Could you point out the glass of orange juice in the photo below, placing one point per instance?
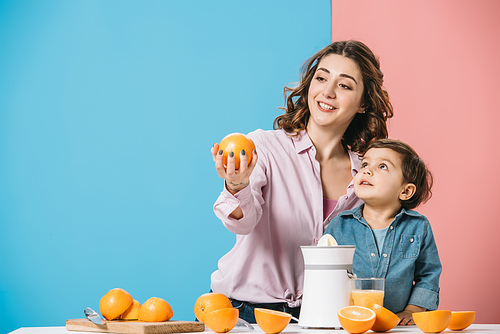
(367, 291)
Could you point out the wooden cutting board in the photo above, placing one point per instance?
(135, 327)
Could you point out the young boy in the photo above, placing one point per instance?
(392, 241)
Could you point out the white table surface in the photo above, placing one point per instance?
(292, 328)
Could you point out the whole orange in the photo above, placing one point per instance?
(235, 142)
(222, 320)
(114, 303)
(208, 302)
(155, 310)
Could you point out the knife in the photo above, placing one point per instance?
(93, 316)
(243, 323)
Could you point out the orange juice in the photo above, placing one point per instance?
(367, 298)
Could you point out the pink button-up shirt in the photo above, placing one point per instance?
(282, 210)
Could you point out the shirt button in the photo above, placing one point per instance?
(411, 239)
(391, 228)
(384, 255)
(372, 254)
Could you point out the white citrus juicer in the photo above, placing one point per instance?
(327, 286)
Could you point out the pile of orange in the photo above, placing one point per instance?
(437, 321)
(216, 312)
(118, 304)
(357, 319)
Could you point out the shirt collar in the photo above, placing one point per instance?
(408, 213)
(355, 162)
(358, 213)
(302, 142)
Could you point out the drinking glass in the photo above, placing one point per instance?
(367, 291)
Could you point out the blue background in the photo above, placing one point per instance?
(108, 110)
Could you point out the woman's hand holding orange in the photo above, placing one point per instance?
(236, 179)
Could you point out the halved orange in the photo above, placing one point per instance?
(432, 321)
(385, 319)
(461, 320)
(222, 320)
(114, 303)
(271, 321)
(132, 313)
(155, 310)
(356, 319)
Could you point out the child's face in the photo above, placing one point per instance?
(380, 180)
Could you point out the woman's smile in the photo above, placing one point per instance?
(325, 107)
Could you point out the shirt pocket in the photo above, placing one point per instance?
(409, 246)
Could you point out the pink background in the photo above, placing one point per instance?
(441, 61)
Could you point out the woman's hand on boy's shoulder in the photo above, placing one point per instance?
(405, 317)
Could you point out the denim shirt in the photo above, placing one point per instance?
(409, 259)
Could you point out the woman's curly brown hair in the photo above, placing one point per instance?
(364, 128)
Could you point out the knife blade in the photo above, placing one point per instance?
(93, 316)
(243, 323)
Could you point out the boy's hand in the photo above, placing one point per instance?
(406, 317)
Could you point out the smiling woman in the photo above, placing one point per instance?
(334, 94)
(338, 107)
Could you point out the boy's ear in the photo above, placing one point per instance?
(407, 192)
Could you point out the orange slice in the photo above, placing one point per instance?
(385, 319)
(270, 321)
(222, 320)
(356, 319)
(432, 321)
(461, 320)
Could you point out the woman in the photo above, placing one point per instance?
(300, 177)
